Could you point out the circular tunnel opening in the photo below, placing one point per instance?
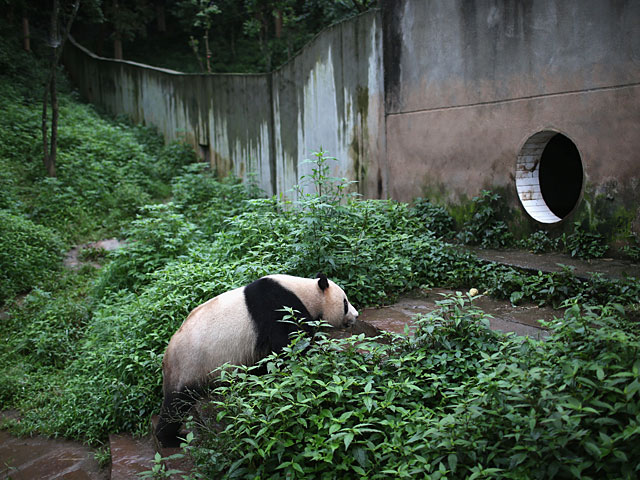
(560, 175)
(549, 176)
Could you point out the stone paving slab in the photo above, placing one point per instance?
(130, 456)
(552, 262)
(39, 458)
(522, 319)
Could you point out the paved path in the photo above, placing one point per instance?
(552, 262)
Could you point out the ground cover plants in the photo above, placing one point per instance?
(456, 400)
(485, 225)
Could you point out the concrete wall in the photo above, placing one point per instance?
(426, 98)
(329, 96)
(468, 82)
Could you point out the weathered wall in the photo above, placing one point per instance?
(330, 96)
(425, 98)
(467, 82)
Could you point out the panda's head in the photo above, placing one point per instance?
(335, 307)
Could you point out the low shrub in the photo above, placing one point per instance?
(455, 401)
(434, 217)
(584, 242)
(29, 254)
(486, 227)
(158, 236)
(539, 242)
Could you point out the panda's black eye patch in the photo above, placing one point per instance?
(346, 306)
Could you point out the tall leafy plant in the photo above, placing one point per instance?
(486, 227)
(321, 200)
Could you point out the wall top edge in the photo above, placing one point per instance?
(166, 71)
(373, 11)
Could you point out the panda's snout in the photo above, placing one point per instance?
(350, 321)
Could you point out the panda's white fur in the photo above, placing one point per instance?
(240, 327)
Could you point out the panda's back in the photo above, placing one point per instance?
(238, 327)
(222, 321)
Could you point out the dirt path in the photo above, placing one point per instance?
(72, 259)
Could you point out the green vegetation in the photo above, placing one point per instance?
(457, 400)
(486, 225)
(28, 253)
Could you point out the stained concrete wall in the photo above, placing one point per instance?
(468, 82)
(209, 111)
(329, 96)
(428, 98)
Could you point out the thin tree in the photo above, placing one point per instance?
(56, 42)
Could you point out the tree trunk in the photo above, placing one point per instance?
(193, 43)
(26, 37)
(51, 87)
(207, 50)
(264, 40)
(117, 35)
(49, 162)
(100, 41)
(51, 168)
(278, 24)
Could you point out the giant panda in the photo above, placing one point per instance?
(240, 327)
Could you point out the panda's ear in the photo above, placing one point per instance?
(323, 283)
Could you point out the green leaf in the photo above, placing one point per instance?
(348, 438)
(631, 389)
(452, 460)
(360, 455)
(593, 449)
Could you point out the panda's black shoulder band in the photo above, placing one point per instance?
(265, 300)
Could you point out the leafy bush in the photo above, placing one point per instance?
(584, 242)
(49, 327)
(158, 236)
(455, 401)
(486, 226)
(201, 196)
(434, 217)
(632, 252)
(539, 242)
(40, 335)
(29, 254)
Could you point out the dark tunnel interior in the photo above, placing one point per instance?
(560, 175)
